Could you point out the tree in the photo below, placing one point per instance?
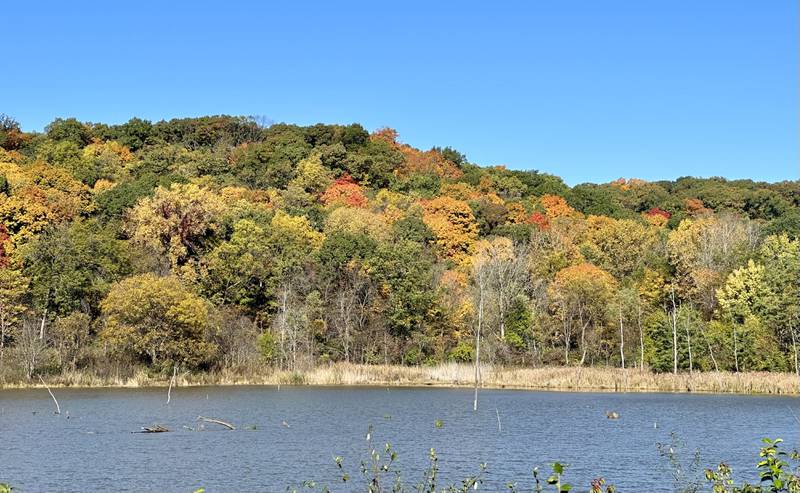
(506, 266)
(453, 225)
(347, 287)
(13, 288)
(619, 246)
(272, 162)
(580, 296)
(103, 160)
(177, 222)
(72, 267)
(703, 251)
(240, 270)
(71, 336)
(11, 136)
(405, 272)
(134, 134)
(781, 259)
(741, 299)
(357, 221)
(158, 320)
(480, 276)
(69, 130)
(344, 191)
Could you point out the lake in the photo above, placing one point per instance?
(298, 431)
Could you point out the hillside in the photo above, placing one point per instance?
(216, 243)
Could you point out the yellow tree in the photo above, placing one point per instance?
(357, 221)
(454, 226)
(619, 246)
(580, 297)
(158, 320)
(744, 297)
(703, 252)
(103, 160)
(40, 195)
(176, 222)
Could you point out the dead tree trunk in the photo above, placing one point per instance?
(689, 343)
(216, 421)
(641, 336)
(674, 334)
(583, 337)
(735, 348)
(58, 408)
(621, 339)
(794, 347)
(478, 345)
(41, 327)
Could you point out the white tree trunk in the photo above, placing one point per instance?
(621, 339)
(674, 334)
(478, 347)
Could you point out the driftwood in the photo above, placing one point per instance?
(58, 408)
(216, 421)
(152, 429)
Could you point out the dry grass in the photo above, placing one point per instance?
(461, 375)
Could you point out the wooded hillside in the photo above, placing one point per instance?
(217, 242)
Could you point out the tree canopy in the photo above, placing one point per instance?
(217, 241)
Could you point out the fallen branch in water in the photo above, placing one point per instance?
(152, 429)
(216, 421)
(793, 414)
(58, 408)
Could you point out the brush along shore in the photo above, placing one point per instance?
(454, 375)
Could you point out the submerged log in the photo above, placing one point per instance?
(216, 421)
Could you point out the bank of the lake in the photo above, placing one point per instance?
(590, 379)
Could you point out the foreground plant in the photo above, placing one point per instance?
(555, 480)
(774, 471)
(378, 474)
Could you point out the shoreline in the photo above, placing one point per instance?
(453, 375)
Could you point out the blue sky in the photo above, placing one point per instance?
(590, 90)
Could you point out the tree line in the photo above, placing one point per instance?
(224, 243)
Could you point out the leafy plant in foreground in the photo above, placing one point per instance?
(774, 471)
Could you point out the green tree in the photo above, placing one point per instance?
(70, 130)
(72, 267)
(13, 288)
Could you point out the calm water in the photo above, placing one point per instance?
(94, 450)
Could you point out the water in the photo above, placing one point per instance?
(94, 450)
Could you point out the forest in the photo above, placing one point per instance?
(223, 242)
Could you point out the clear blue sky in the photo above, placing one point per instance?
(590, 90)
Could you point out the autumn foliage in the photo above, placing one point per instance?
(416, 161)
(219, 244)
(344, 191)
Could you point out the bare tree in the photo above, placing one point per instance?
(481, 273)
(621, 338)
(689, 341)
(507, 275)
(30, 346)
(674, 320)
(641, 331)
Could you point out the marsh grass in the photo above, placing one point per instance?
(450, 375)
